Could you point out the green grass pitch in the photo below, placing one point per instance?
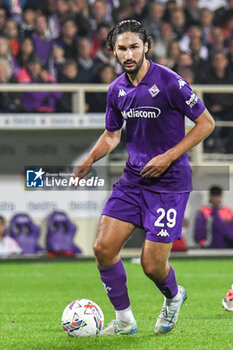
(34, 295)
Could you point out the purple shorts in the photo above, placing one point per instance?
(160, 214)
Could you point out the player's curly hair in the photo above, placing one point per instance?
(128, 26)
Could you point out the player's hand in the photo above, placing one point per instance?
(80, 171)
(156, 166)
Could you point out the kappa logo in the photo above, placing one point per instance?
(163, 233)
(192, 101)
(121, 93)
(107, 288)
(181, 83)
(154, 90)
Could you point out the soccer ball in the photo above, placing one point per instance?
(82, 318)
(227, 302)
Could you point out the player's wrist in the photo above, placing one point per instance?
(90, 160)
(172, 154)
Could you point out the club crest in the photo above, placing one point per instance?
(154, 90)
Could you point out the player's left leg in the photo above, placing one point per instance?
(163, 215)
(154, 260)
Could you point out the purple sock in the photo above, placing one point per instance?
(114, 281)
(168, 287)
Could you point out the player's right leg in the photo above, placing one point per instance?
(111, 235)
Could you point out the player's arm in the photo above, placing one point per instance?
(106, 143)
(204, 125)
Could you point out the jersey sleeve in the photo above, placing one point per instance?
(183, 98)
(114, 119)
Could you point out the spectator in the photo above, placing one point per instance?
(178, 23)
(194, 33)
(37, 101)
(154, 19)
(162, 60)
(79, 11)
(71, 20)
(207, 25)
(228, 23)
(69, 75)
(85, 61)
(51, 8)
(125, 11)
(96, 102)
(217, 41)
(184, 60)
(11, 31)
(9, 101)
(192, 12)
(187, 74)
(140, 10)
(98, 14)
(5, 51)
(162, 41)
(105, 56)
(15, 8)
(27, 25)
(41, 38)
(200, 65)
(220, 105)
(8, 246)
(3, 17)
(223, 14)
(68, 38)
(56, 60)
(26, 53)
(230, 57)
(59, 15)
(99, 37)
(173, 53)
(214, 222)
(79, 7)
(170, 6)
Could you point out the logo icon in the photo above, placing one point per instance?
(121, 93)
(148, 112)
(163, 233)
(107, 288)
(181, 83)
(192, 101)
(154, 90)
(35, 178)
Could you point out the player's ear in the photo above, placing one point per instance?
(146, 47)
(114, 52)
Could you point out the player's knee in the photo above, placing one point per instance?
(101, 251)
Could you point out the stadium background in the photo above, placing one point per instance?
(34, 292)
(64, 42)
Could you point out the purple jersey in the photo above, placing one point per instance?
(154, 114)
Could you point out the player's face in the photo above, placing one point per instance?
(216, 200)
(130, 51)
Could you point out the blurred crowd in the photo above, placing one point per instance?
(64, 41)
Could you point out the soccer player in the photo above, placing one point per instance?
(154, 187)
(227, 302)
(214, 222)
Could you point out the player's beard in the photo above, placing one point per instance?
(137, 65)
